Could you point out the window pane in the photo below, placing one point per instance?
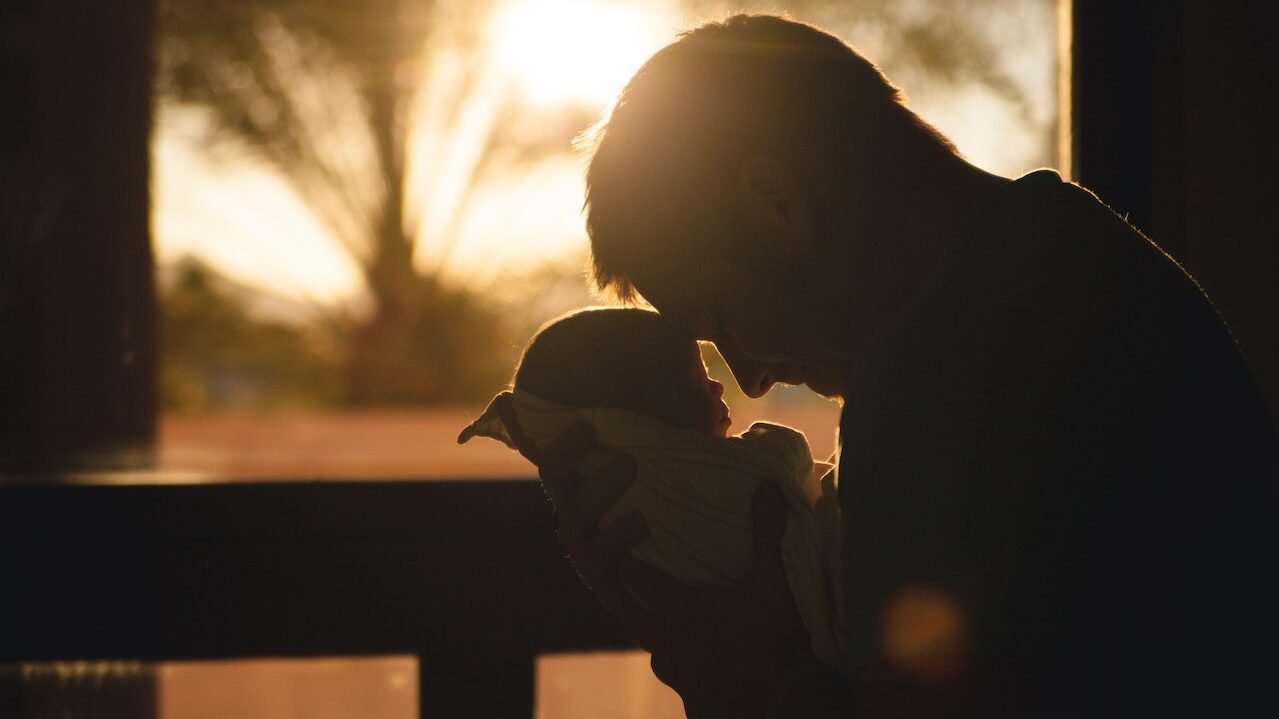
(323, 688)
(384, 687)
(602, 684)
(362, 213)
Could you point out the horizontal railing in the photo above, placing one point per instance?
(468, 576)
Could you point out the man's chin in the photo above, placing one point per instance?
(834, 394)
(824, 382)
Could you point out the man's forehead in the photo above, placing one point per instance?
(678, 305)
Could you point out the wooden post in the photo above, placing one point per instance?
(77, 306)
(479, 684)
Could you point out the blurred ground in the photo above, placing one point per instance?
(381, 444)
(568, 686)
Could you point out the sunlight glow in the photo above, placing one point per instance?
(518, 221)
(537, 62)
(241, 218)
(562, 51)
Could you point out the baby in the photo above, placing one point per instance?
(641, 383)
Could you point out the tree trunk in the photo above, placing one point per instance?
(390, 272)
(379, 366)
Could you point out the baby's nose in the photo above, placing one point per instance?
(717, 389)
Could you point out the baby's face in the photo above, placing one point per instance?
(689, 399)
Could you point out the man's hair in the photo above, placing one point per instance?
(663, 157)
(603, 357)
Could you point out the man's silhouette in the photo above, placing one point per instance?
(1054, 465)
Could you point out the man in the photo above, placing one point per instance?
(1054, 466)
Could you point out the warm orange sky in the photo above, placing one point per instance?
(246, 221)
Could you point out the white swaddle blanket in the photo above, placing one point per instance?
(695, 492)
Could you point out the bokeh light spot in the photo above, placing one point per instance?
(923, 633)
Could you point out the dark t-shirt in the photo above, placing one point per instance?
(1057, 455)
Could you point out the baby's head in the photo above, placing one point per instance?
(625, 358)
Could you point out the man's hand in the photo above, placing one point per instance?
(725, 652)
(579, 506)
(728, 652)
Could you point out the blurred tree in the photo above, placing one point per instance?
(368, 108)
(219, 353)
(384, 115)
(945, 43)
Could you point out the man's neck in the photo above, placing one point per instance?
(939, 201)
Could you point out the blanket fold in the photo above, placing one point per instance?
(695, 492)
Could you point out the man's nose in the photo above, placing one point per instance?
(755, 378)
(717, 389)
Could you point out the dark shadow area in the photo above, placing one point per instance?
(1169, 116)
(77, 304)
(467, 576)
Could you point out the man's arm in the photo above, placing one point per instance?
(734, 653)
(745, 653)
(728, 654)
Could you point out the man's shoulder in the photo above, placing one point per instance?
(1060, 321)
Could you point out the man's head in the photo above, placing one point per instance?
(717, 187)
(627, 358)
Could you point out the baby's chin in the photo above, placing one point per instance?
(721, 427)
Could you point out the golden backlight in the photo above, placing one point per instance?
(536, 61)
(574, 51)
(488, 203)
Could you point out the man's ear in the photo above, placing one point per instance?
(773, 200)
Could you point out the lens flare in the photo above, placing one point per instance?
(923, 633)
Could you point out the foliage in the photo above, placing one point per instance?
(217, 353)
(384, 116)
(448, 346)
(350, 101)
(918, 42)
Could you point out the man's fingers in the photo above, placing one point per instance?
(768, 516)
(664, 597)
(580, 514)
(558, 468)
(602, 553)
(636, 620)
(641, 626)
